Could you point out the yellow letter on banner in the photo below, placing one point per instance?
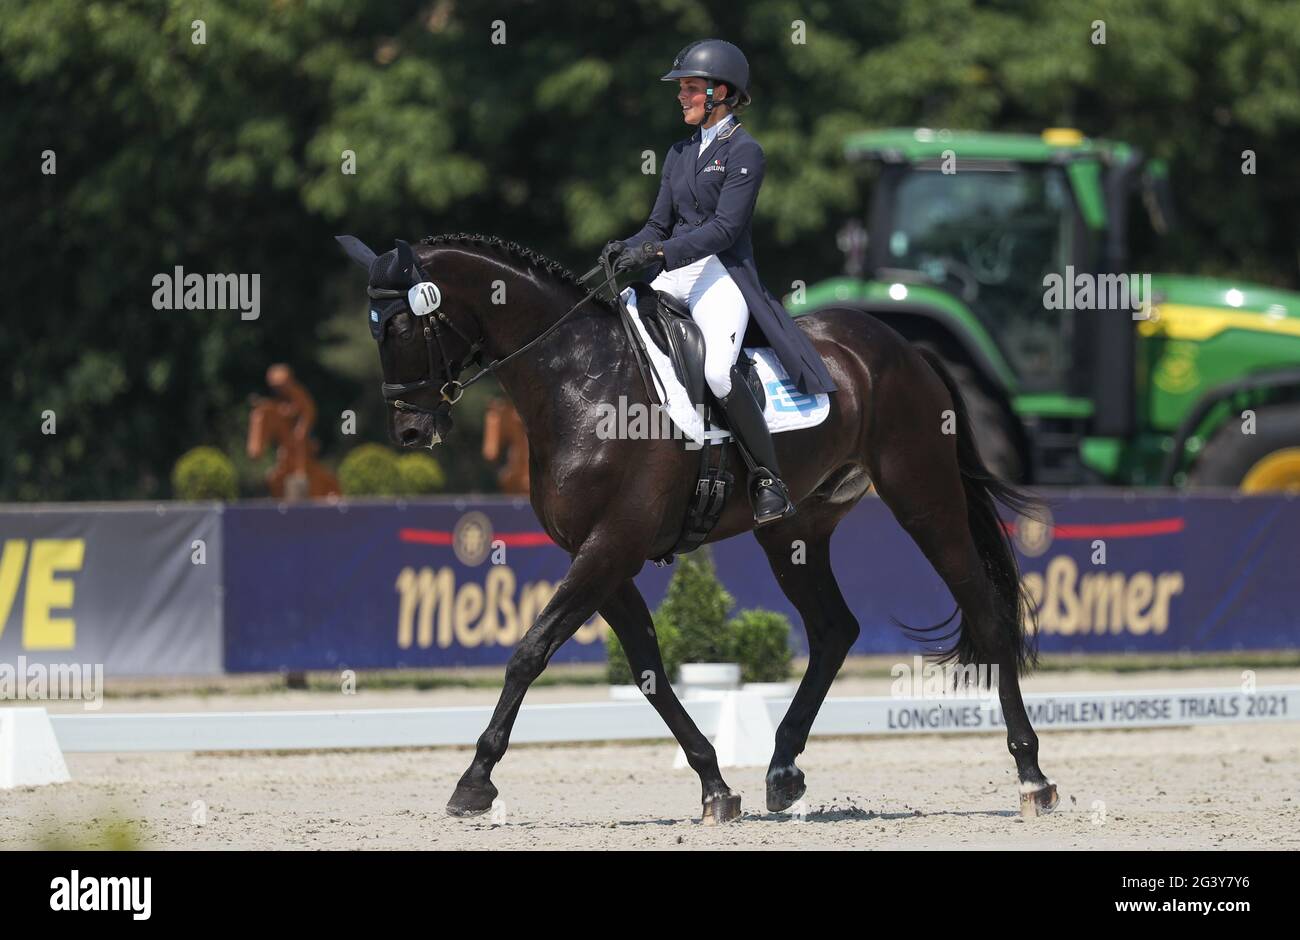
(11, 572)
(44, 592)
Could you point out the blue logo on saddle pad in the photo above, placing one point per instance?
(786, 397)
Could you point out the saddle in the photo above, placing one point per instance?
(668, 323)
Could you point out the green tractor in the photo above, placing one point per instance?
(1007, 254)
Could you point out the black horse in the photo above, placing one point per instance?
(559, 351)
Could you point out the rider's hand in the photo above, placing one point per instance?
(644, 255)
(611, 251)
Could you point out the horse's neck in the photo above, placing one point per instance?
(552, 374)
(556, 373)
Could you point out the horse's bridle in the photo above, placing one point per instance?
(428, 307)
(434, 318)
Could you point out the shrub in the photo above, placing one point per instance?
(617, 671)
(419, 473)
(204, 473)
(697, 605)
(692, 627)
(760, 642)
(370, 470)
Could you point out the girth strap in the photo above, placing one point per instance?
(707, 501)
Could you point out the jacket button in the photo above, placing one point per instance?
(696, 204)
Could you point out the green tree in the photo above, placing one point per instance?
(233, 155)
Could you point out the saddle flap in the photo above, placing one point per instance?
(668, 322)
(673, 306)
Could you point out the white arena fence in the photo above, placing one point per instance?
(631, 721)
(740, 723)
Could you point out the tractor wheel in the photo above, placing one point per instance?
(1266, 461)
(994, 432)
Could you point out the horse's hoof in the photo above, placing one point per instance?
(721, 808)
(784, 788)
(1038, 801)
(471, 801)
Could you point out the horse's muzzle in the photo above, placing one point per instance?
(421, 428)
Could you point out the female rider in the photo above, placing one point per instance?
(698, 238)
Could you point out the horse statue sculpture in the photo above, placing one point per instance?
(505, 438)
(560, 352)
(286, 421)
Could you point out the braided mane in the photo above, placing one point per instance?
(529, 258)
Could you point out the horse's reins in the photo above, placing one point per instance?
(433, 336)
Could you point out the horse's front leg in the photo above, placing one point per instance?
(629, 617)
(599, 567)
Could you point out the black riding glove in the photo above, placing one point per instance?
(646, 254)
(611, 251)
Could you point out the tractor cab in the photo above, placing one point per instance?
(964, 235)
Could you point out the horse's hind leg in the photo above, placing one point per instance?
(805, 575)
(626, 612)
(596, 570)
(931, 499)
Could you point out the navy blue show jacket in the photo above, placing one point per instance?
(704, 207)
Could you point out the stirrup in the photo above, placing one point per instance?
(772, 485)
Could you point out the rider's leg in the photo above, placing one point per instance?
(722, 314)
(720, 310)
(670, 282)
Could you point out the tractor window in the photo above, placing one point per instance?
(990, 236)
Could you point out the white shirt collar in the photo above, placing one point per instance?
(708, 133)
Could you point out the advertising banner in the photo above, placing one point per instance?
(132, 588)
(1108, 573)
(389, 585)
(449, 582)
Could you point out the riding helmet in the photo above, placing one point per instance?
(716, 59)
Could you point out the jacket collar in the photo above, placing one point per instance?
(711, 133)
(718, 146)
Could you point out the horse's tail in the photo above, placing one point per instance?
(1011, 605)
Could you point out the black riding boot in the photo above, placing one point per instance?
(770, 499)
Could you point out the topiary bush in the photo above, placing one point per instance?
(760, 642)
(617, 671)
(370, 470)
(420, 473)
(692, 627)
(697, 605)
(204, 473)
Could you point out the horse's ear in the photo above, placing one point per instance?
(356, 250)
(406, 260)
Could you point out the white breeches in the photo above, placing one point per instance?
(718, 307)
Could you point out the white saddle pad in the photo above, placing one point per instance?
(787, 408)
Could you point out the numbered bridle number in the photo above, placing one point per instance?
(424, 298)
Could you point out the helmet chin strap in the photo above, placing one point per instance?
(708, 107)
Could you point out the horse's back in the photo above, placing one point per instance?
(851, 325)
(855, 340)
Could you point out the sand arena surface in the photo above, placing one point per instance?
(1229, 786)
